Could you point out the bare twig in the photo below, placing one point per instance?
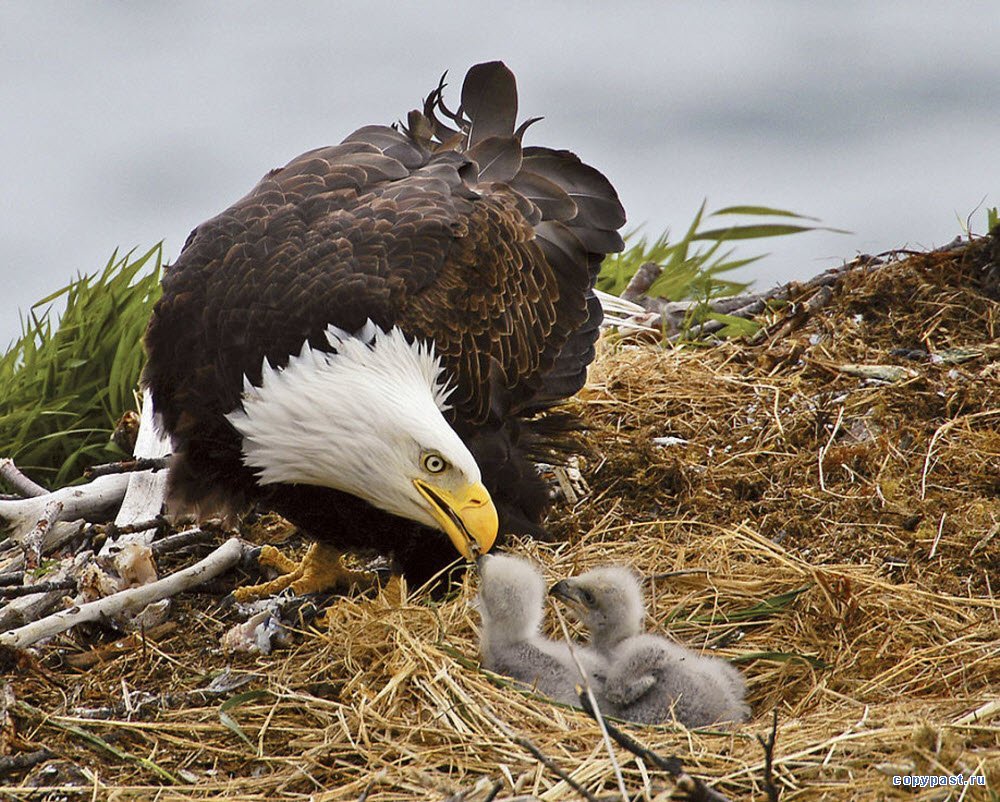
(220, 560)
(494, 791)
(540, 756)
(693, 787)
(109, 651)
(799, 315)
(18, 482)
(596, 711)
(640, 283)
(41, 587)
(27, 760)
(368, 790)
(180, 540)
(128, 466)
(33, 541)
(768, 744)
(160, 521)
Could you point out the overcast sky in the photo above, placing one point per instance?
(122, 124)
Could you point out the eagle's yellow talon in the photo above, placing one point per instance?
(270, 557)
(321, 569)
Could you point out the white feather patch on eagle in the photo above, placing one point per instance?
(356, 419)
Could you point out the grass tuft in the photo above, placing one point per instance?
(694, 266)
(66, 384)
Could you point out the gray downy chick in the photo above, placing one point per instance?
(651, 680)
(608, 602)
(511, 604)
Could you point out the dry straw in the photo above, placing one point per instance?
(835, 535)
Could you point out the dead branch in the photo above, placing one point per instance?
(640, 283)
(179, 541)
(816, 292)
(113, 530)
(90, 502)
(694, 788)
(768, 744)
(41, 587)
(18, 482)
(128, 466)
(671, 315)
(61, 533)
(799, 315)
(22, 611)
(34, 540)
(101, 654)
(11, 763)
(133, 599)
(147, 490)
(494, 791)
(540, 756)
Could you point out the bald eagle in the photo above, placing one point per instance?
(367, 343)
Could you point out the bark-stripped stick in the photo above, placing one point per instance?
(220, 560)
(92, 502)
(147, 490)
(20, 483)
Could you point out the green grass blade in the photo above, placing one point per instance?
(760, 231)
(762, 211)
(66, 385)
(763, 609)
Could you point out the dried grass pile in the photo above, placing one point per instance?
(837, 535)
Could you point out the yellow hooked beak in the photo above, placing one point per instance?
(468, 516)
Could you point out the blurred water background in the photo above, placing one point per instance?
(122, 124)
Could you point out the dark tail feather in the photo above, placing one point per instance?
(574, 209)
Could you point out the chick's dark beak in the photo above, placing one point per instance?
(562, 590)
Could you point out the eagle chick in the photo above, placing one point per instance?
(649, 679)
(511, 603)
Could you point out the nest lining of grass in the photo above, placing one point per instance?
(838, 538)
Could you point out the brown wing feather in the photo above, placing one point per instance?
(390, 227)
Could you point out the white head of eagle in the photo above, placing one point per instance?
(366, 418)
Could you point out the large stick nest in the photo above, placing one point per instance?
(838, 536)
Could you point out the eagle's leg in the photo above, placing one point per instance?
(321, 569)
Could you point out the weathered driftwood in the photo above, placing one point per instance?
(92, 502)
(147, 490)
(40, 522)
(131, 600)
(22, 611)
(20, 483)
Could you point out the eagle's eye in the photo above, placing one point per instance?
(434, 463)
(588, 598)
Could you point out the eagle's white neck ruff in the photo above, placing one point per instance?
(356, 419)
